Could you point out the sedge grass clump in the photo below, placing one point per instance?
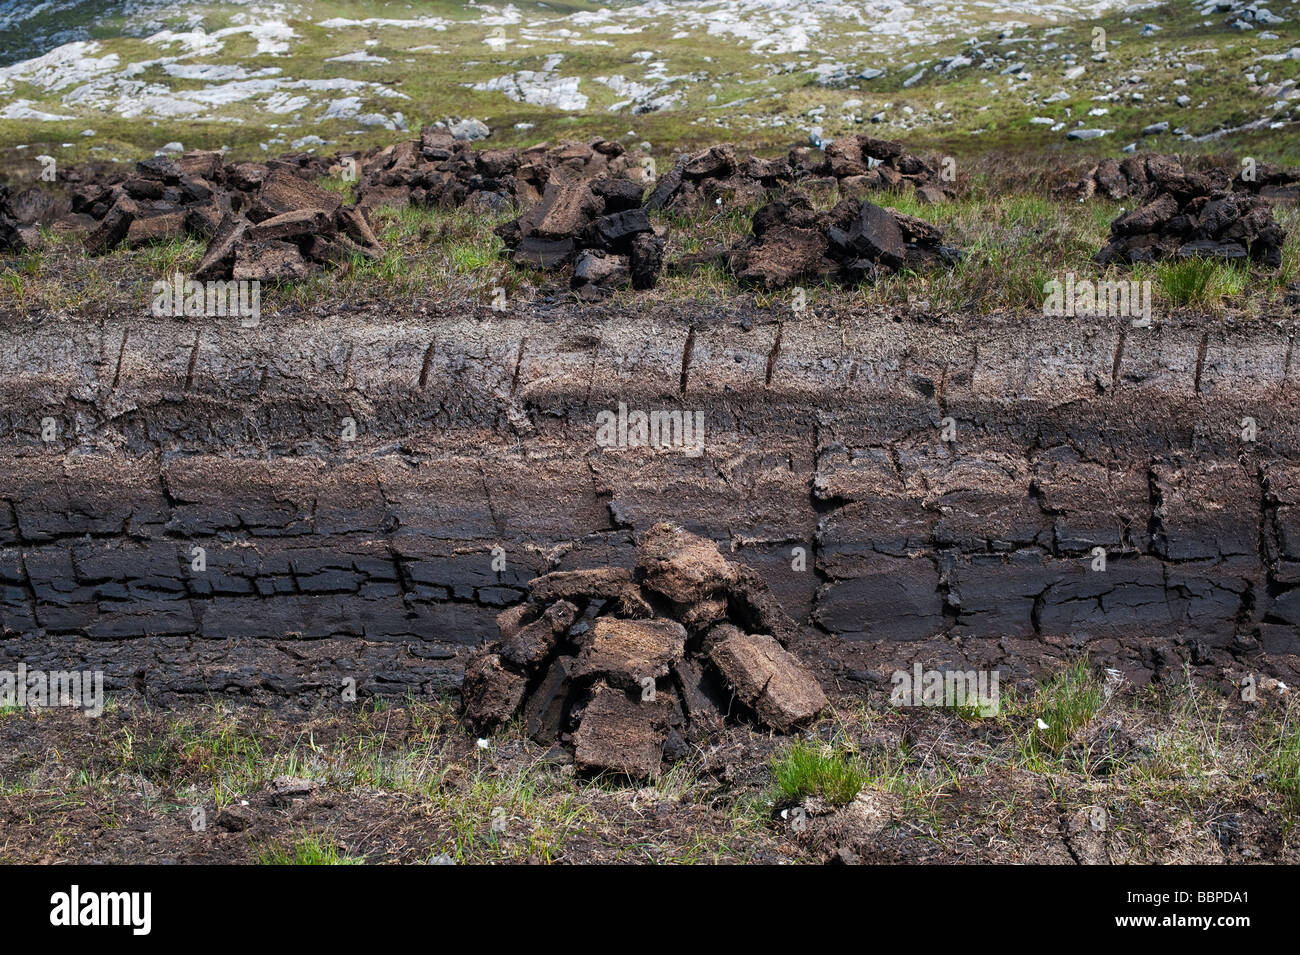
(1281, 763)
(835, 774)
(1199, 282)
(309, 850)
(1062, 706)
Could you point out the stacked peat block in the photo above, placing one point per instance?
(853, 242)
(715, 177)
(263, 221)
(863, 164)
(1270, 181)
(162, 198)
(1185, 214)
(286, 226)
(598, 225)
(440, 171)
(582, 202)
(626, 666)
(1135, 176)
(12, 238)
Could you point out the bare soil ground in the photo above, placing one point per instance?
(1183, 775)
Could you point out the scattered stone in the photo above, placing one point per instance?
(1086, 134)
(471, 130)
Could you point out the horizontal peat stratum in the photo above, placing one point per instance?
(350, 473)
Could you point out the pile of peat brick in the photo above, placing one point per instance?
(855, 241)
(1133, 177)
(439, 171)
(263, 221)
(582, 202)
(863, 164)
(1270, 181)
(583, 205)
(626, 666)
(600, 226)
(856, 165)
(11, 226)
(716, 177)
(1184, 214)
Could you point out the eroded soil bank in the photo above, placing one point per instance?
(373, 558)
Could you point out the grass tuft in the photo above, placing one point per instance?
(1064, 705)
(1200, 282)
(813, 769)
(308, 850)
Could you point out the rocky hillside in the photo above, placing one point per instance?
(95, 80)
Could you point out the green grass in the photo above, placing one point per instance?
(526, 813)
(1066, 703)
(1281, 762)
(719, 69)
(1181, 749)
(164, 259)
(308, 850)
(1200, 282)
(813, 769)
(474, 255)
